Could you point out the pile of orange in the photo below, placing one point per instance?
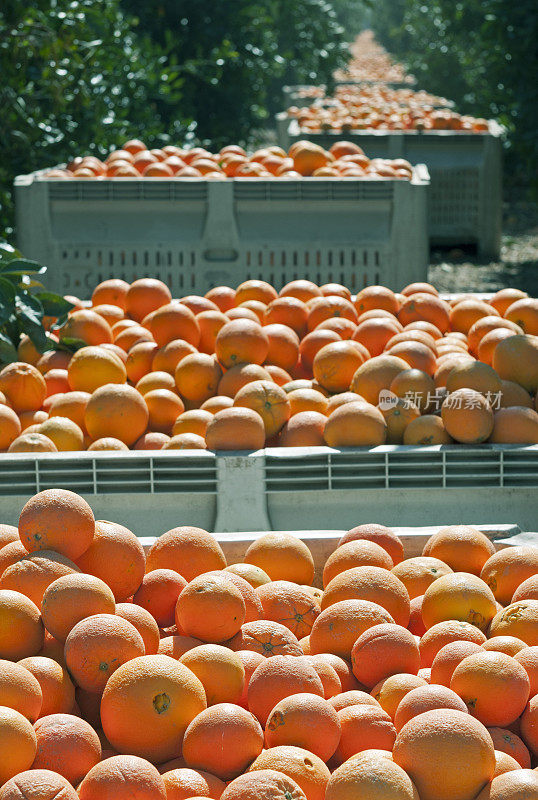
(240, 369)
(371, 62)
(303, 160)
(172, 675)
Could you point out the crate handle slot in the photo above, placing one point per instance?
(221, 255)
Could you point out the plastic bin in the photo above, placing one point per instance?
(287, 489)
(465, 200)
(195, 234)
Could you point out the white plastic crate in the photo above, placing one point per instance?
(195, 234)
(287, 489)
(465, 199)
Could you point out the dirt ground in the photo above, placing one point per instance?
(458, 271)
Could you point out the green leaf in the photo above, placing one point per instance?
(8, 352)
(70, 344)
(22, 266)
(54, 305)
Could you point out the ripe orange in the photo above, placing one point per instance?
(266, 638)
(67, 745)
(174, 321)
(302, 766)
(269, 401)
(290, 605)
(304, 720)
(267, 783)
(121, 777)
(57, 519)
(279, 677)
(211, 608)
(158, 594)
(369, 774)
(447, 754)
(283, 557)
(18, 744)
(23, 386)
(97, 646)
(507, 569)
(188, 550)
(71, 598)
(338, 627)
(443, 633)
(147, 705)
(115, 555)
(220, 671)
(384, 650)
(461, 547)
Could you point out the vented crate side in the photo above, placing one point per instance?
(194, 234)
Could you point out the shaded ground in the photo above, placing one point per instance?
(457, 271)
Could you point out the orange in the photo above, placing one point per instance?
(528, 725)
(279, 677)
(283, 346)
(217, 403)
(158, 594)
(443, 633)
(97, 646)
(504, 644)
(283, 557)
(86, 326)
(57, 690)
(508, 742)
(335, 364)
(235, 378)
(23, 386)
(302, 289)
(352, 698)
(18, 744)
(482, 678)
(26, 420)
(474, 375)
(116, 410)
(107, 443)
(426, 698)
(515, 425)
(505, 570)
(364, 727)
(151, 441)
(288, 311)
(64, 433)
(355, 424)
(38, 784)
(139, 362)
(375, 333)
(211, 608)
(390, 691)
(220, 671)
(426, 430)
(116, 557)
(447, 754)
(267, 638)
(485, 325)
(187, 550)
(21, 628)
(505, 297)
(128, 339)
(10, 426)
(71, 405)
(304, 429)
(72, 598)
(527, 590)
(57, 519)
(524, 312)
(269, 784)
(180, 783)
(197, 377)
(467, 312)
(308, 157)
(302, 766)
(20, 690)
(326, 307)
(307, 400)
(185, 441)
(461, 547)
(379, 534)
(515, 359)
(164, 407)
(111, 292)
(235, 429)
(92, 367)
(376, 374)
(34, 572)
(255, 290)
(269, 401)
(374, 584)
(166, 358)
(418, 573)
(459, 596)
(313, 342)
(144, 296)
(194, 421)
(384, 650)
(416, 386)
(176, 646)
(122, 777)
(290, 605)
(356, 553)
(241, 341)
(144, 623)
(517, 619)
(513, 785)
(370, 776)
(512, 394)
(304, 720)
(148, 703)
(210, 322)
(467, 416)
(427, 307)
(222, 740)
(338, 627)
(66, 745)
(156, 380)
(375, 297)
(253, 575)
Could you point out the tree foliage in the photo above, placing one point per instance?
(24, 303)
(480, 53)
